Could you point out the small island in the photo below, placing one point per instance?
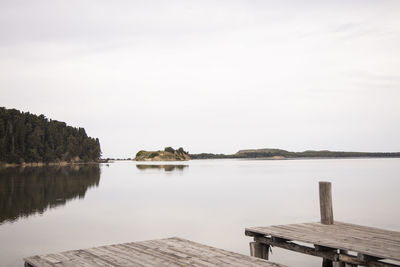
(169, 154)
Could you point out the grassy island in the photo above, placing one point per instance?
(168, 154)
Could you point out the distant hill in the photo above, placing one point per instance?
(168, 154)
(273, 153)
(26, 138)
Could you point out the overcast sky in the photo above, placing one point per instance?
(211, 76)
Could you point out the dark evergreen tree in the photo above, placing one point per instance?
(25, 137)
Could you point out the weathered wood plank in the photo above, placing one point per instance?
(205, 253)
(163, 252)
(328, 254)
(37, 261)
(297, 248)
(213, 255)
(77, 258)
(369, 241)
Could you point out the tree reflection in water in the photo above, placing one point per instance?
(166, 167)
(31, 190)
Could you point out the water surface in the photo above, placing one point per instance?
(45, 210)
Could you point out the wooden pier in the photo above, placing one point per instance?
(344, 243)
(163, 252)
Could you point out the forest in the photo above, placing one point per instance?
(25, 138)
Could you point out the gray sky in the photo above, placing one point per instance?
(211, 76)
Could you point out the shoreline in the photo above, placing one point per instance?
(44, 164)
(65, 163)
(297, 158)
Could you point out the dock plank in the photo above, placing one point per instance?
(369, 241)
(163, 252)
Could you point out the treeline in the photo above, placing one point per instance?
(25, 137)
(212, 156)
(271, 153)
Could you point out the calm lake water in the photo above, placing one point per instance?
(45, 210)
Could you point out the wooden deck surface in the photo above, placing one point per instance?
(163, 252)
(369, 241)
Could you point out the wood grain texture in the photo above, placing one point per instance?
(325, 202)
(259, 250)
(370, 241)
(163, 252)
(323, 252)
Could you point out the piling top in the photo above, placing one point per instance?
(325, 202)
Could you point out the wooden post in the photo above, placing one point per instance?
(343, 264)
(259, 250)
(325, 202)
(344, 252)
(327, 263)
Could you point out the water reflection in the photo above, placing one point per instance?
(31, 190)
(167, 167)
